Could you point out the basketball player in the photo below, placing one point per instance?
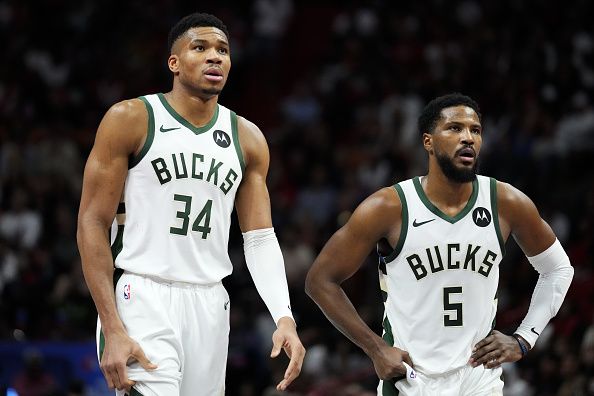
(441, 238)
(180, 162)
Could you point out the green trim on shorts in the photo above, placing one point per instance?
(389, 389)
(134, 392)
(117, 274)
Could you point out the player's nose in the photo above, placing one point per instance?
(213, 56)
(467, 136)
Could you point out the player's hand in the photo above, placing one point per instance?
(389, 362)
(285, 337)
(495, 349)
(119, 351)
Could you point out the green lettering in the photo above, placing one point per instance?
(214, 171)
(470, 257)
(416, 266)
(434, 269)
(229, 180)
(485, 269)
(453, 246)
(197, 157)
(160, 168)
(183, 162)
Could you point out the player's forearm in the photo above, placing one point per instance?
(337, 307)
(97, 265)
(556, 274)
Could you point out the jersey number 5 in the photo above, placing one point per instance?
(202, 222)
(448, 319)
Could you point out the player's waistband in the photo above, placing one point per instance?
(177, 284)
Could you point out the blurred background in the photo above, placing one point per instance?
(336, 87)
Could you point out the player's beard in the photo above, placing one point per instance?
(454, 173)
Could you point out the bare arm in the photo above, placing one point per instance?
(520, 218)
(119, 135)
(253, 201)
(265, 261)
(379, 216)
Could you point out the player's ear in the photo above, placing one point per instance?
(428, 142)
(173, 63)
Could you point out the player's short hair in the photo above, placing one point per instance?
(432, 112)
(188, 22)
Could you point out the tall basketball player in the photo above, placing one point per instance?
(441, 238)
(170, 168)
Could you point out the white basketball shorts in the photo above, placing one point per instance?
(183, 328)
(467, 381)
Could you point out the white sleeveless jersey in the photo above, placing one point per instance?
(440, 282)
(178, 198)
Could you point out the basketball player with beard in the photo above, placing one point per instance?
(441, 238)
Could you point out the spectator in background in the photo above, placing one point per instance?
(34, 380)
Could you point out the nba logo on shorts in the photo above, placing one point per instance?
(127, 294)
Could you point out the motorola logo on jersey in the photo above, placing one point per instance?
(481, 217)
(221, 138)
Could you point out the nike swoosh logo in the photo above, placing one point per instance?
(416, 224)
(167, 129)
(534, 331)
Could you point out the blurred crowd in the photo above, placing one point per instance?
(336, 88)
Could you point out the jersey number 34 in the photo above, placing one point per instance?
(200, 224)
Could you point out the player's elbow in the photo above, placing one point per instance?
(312, 281)
(316, 281)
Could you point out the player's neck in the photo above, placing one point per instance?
(445, 193)
(195, 109)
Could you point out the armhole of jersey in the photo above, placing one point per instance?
(495, 212)
(235, 132)
(403, 228)
(150, 135)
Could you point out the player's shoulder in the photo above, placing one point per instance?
(126, 123)
(249, 130)
(252, 142)
(128, 111)
(384, 202)
(511, 199)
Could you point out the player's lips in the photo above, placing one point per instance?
(466, 152)
(467, 155)
(213, 74)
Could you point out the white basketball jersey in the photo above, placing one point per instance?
(440, 282)
(179, 196)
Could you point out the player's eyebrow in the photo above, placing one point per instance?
(203, 41)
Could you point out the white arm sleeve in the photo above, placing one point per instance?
(265, 262)
(556, 273)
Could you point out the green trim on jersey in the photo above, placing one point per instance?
(403, 228)
(235, 132)
(186, 123)
(437, 211)
(496, 215)
(150, 135)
